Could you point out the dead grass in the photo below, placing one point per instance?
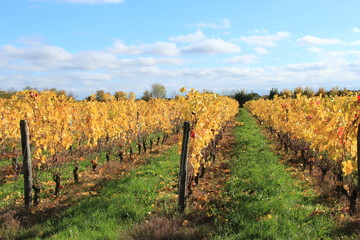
(163, 228)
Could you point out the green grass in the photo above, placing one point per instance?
(265, 201)
(12, 191)
(260, 201)
(5, 162)
(121, 203)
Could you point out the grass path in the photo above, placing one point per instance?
(120, 204)
(265, 201)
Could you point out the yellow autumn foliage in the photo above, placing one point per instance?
(329, 124)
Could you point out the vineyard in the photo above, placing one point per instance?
(63, 131)
(324, 132)
(119, 158)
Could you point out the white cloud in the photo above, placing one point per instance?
(304, 67)
(170, 61)
(48, 58)
(343, 53)
(224, 23)
(192, 37)
(355, 30)
(264, 40)
(261, 51)
(356, 43)
(42, 52)
(259, 31)
(88, 78)
(32, 40)
(242, 59)
(149, 61)
(121, 66)
(90, 60)
(314, 49)
(309, 40)
(120, 47)
(332, 55)
(163, 49)
(158, 48)
(211, 46)
(261, 80)
(44, 58)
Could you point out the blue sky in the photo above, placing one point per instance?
(87, 45)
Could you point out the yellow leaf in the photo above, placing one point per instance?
(185, 223)
(52, 151)
(183, 89)
(348, 167)
(43, 159)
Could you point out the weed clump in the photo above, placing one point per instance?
(162, 228)
(9, 224)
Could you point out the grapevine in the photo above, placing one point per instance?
(59, 125)
(323, 129)
(208, 114)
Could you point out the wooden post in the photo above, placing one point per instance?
(27, 168)
(358, 156)
(76, 174)
(183, 168)
(57, 180)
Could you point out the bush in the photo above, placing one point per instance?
(242, 97)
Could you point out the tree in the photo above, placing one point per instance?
(8, 93)
(242, 97)
(158, 90)
(100, 96)
(61, 92)
(132, 96)
(147, 96)
(309, 92)
(333, 92)
(5, 94)
(343, 92)
(321, 91)
(273, 92)
(29, 88)
(286, 92)
(120, 95)
(298, 90)
(207, 91)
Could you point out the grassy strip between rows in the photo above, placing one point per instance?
(260, 201)
(120, 204)
(265, 201)
(12, 190)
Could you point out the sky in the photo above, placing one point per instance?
(83, 46)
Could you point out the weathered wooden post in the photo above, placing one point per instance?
(358, 155)
(183, 168)
(27, 168)
(76, 174)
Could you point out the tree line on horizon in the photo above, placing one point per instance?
(243, 96)
(159, 91)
